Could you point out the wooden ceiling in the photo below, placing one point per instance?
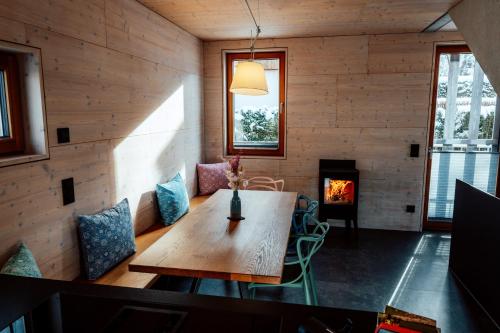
(230, 19)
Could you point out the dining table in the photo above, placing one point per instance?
(205, 243)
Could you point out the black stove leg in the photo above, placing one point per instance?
(348, 224)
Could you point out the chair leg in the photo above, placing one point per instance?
(252, 293)
(195, 286)
(243, 290)
(312, 283)
(307, 291)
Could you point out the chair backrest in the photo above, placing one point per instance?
(305, 205)
(309, 244)
(265, 184)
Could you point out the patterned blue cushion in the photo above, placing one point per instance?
(106, 239)
(22, 263)
(173, 199)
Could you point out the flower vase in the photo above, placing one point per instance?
(235, 206)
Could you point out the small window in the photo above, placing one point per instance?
(11, 127)
(256, 124)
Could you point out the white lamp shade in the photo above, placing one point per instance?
(249, 79)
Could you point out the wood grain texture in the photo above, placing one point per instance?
(361, 97)
(81, 19)
(229, 19)
(135, 121)
(205, 244)
(134, 29)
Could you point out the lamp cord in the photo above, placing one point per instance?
(257, 26)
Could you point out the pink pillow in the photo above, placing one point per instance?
(211, 177)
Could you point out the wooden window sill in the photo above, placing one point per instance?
(260, 157)
(21, 159)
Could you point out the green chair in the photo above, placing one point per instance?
(305, 205)
(298, 271)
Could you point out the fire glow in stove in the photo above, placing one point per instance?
(338, 191)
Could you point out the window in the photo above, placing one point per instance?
(23, 130)
(256, 124)
(465, 103)
(11, 127)
(464, 132)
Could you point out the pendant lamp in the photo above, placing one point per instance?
(249, 76)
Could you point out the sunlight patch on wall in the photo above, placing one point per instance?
(151, 154)
(168, 116)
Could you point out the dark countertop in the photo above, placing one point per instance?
(61, 306)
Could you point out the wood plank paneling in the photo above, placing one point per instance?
(82, 19)
(12, 31)
(361, 97)
(383, 100)
(81, 78)
(311, 101)
(328, 55)
(32, 210)
(133, 121)
(229, 19)
(134, 29)
(408, 53)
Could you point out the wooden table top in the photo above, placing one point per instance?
(205, 244)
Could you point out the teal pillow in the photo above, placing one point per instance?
(173, 199)
(22, 263)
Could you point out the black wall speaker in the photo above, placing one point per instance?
(68, 191)
(63, 135)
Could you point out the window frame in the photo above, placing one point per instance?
(15, 143)
(230, 57)
(429, 224)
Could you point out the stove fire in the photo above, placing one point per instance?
(339, 192)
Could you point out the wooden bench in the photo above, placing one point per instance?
(121, 276)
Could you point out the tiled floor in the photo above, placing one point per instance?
(405, 269)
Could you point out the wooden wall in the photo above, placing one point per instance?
(129, 85)
(354, 97)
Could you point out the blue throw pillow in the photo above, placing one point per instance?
(173, 199)
(106, 239)
(22, 263)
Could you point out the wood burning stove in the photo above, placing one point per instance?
(338, 191)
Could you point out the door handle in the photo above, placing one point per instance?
(282, 106)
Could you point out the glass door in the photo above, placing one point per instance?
(463, 140)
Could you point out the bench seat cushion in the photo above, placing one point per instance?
(106, 239)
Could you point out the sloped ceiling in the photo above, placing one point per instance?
(479, 23)
(230, 19)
